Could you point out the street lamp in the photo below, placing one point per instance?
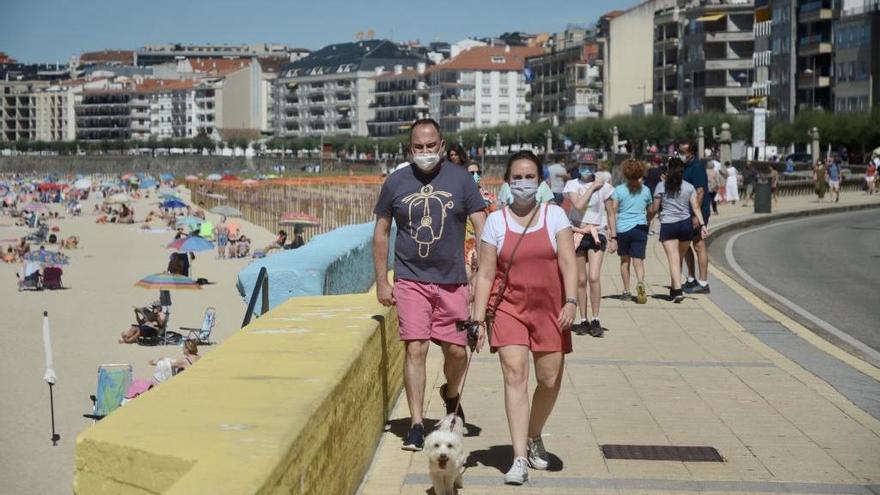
(690, 82)
(811, 72)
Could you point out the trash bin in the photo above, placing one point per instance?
(763, 195)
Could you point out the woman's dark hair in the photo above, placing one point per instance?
(524, 155)
(462, 154)
(674, 174)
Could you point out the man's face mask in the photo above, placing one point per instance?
(586, 172)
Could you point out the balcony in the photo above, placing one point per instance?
(816, 44)
(815, 12)
(729, 36)
(808, 81)
(728, 64)
(727, 91)
(668, 69)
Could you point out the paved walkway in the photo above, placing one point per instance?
(665, 374)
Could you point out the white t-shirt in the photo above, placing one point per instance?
(595, 211)
(557, 177)
(495, 228)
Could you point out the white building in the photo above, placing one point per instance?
(480, 87)
(330, 91)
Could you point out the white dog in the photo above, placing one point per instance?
(446, 455)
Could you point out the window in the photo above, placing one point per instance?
(486, 78)
(498, 59)
(486, 91)
(504, 91)
(486, 108)
(504, 108)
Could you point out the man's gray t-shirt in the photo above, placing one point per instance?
(675, 208)
(558, 175)
(430, 212)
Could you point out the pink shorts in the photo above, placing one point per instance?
(429, 311)
(539, 336)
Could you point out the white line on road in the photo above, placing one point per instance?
(828, 327)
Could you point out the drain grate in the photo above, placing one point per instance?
(662, 453)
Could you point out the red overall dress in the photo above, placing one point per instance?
(534, 295)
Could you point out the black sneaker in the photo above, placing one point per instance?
(596, 329)
(451, 403)
(676, 296)
(687, 285)
(415, 438)
(698, 289)
(581, 328)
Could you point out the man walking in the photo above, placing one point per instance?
(833, 176)
(430, 201)
(695, 173)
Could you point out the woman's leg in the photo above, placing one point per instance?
(515, 368)
(674, 259)
(548, 372)
(581, 261)
(624, 272)
(594, 260)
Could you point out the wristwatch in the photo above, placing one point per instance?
(571, 300)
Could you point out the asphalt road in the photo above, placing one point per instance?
(829, 265)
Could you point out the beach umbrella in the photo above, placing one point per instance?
(35, 207)
(170, 197)
(173, 203)
(148, 183)
(118, 198)
(192, 244)
(215, 196)
(49, 375)
(82, 184)
(167, 281)
(189, 220)
(226, 211)
(46, 257)
(166, 177)
(229, 177)
(214, 177)
(191, 177)
(300, 219)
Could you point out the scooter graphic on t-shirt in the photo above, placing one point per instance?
(432, 206)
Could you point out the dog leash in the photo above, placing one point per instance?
(467, 368)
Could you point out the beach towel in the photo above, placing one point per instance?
(137, 387)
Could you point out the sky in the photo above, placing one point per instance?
(49, 31)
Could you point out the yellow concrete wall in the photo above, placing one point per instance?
(294, 403)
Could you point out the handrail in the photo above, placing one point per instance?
(261, 286)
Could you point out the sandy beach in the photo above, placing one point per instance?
(86, 319)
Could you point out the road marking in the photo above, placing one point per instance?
(828, 327)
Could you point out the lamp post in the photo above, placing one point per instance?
(690, 100)
(812, 72)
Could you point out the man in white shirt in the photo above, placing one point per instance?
(558, 176)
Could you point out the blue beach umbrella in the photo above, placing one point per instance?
(189, 220)
(166, 177)
(192, 244)
(148, 183)
(47, 257)
(173, 203)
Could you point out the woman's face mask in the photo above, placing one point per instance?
(586, 172)
(523, 191)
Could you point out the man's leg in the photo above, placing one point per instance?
(624, 272)
(691, 267)
(639, 265)
(454, 363)
(414, 377)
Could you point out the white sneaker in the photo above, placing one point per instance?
(519, 472)
(538, 458)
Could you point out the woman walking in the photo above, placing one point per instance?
(731, 189)
(630, 202)
(527, 279)
(677, 198)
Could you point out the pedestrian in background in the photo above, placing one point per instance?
(819, 176)
(457, 155)
(527, 273)
(676, 199)
(697, 258)
(731, 188)
(833, 178)
(750, 177)
(630, 202)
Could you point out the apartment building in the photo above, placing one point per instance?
(856, 81)
(565, 80)
(627, 41)
(400, 97)
(171, 52)
(481, 87)
(18, 109)
(763, 53)
(54, 117)
(330, 91)
(717, 70)
(668, 32)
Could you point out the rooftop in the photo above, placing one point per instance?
(122, 57)
(490, 58)
(351, 57)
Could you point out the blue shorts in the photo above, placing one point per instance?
(222, 240)
(633, 242)
(682, 231)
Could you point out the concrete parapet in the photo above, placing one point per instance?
(293, 403)
(338, 262)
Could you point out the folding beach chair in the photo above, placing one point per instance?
(113, 382)
(29, 277)
(202, 336)
(52, 278)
